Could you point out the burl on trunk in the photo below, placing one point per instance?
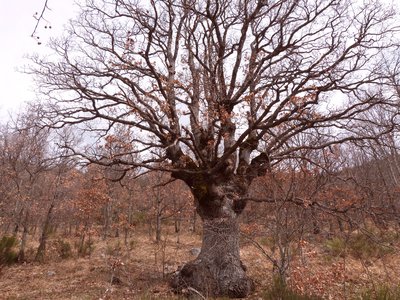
(218, 270)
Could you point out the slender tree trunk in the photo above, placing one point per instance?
(6, 228)
(177, 223)
(129, 223)
(340, 223)
(177, 216)
(126, 236)
(159, 211)
(158, 227)
(81, 244)
(150, 228)
(107, 219)
(45, 232)
(21, 254)
(89, 246)
(81, 248)
(33, 230)
(314, 216)
(18, 222)
(17, 218)
(16, 229)
(77, 229)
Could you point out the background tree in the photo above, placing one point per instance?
(116, 147)
(217, 93)
(25, 163)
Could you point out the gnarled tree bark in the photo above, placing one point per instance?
(218, 270)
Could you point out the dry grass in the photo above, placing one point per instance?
(143, 267)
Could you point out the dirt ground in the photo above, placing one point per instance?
(140, 269)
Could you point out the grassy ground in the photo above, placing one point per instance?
(139, 270)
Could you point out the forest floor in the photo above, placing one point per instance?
(139, 269)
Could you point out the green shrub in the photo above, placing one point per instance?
(391, 236)
(113, 248)
(336, 246)
(7, 253)
(140, 217)
(361, 247)
(86, 249)
(132, 244)
(268, 242)
(280, 291)
(364, 247)
(358, 245)
(64, 249)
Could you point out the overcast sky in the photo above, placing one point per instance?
(16, 26)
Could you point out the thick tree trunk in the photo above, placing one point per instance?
(218, 270)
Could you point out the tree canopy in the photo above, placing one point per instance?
(219, 83)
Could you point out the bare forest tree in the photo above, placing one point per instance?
(217, 93)
(31, 176)
(24, 160)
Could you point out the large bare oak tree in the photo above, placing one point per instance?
(217, 93)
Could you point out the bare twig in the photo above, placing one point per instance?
(39, 18)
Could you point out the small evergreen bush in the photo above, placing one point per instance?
(336, 246)
(7, 253)
(359, 246)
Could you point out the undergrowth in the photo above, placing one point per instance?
(7, 253)
(279, 290)
(381, 292)
(358, 245)
(64, 249)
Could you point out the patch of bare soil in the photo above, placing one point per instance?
(140, 270)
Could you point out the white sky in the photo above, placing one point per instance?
(16, 26)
